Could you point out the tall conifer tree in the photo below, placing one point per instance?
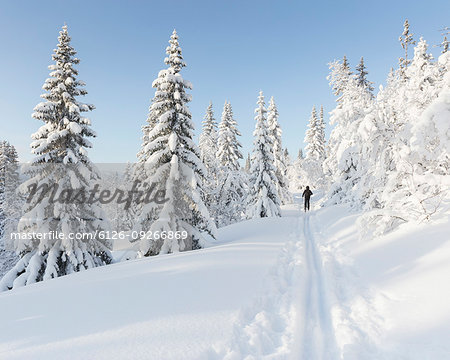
(174, 162)
(231, 190)
(61, 158)
(263, 199)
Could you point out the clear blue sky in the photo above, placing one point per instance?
(233, 49)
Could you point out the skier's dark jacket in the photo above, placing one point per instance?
(307, 193)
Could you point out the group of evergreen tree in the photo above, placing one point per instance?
(204, 185)
(257, 190)
(389, 153)
(263, 198)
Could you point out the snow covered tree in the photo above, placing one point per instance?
(278, 155)
(263, 199)
(378, 136)
(339, 75)
(430, 141)
(406, 39)
(229, 152)
(247, 164)
(445, 43)
(208, 153)
(409, 193)
(208, 142)
(315, 150)
(423, 75)
(321, 131)
(300, 155)
(410, 163)
(10, 204)
(343, 165)
(287, 157)
(61, 160)
(232, 182)
(389, 155)
(4, 160)
(173, 160)
(361, 77)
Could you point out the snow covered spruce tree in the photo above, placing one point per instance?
(4, 160)
(321, 134)
(9, 204)
(361, 77)
(339, 76)
(406, 39)
(208, 140)
(60, 160)
(344, 166)
(315, 150)
(278, 153)
(232, 190)
(263, 199)
(208, 155)
(173, 161)
(247, 164)
(445, 43)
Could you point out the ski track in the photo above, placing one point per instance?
(310, 308)
(318, 335)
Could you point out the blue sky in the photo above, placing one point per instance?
(233, 49)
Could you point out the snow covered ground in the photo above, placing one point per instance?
(298, 287)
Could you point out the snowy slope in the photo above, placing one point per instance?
(165, 307)
(297, 287)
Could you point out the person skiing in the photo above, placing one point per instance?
(307, 195)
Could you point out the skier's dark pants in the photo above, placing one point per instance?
(306, 203)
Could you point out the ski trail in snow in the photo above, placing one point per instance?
(304, 312)
(318, 334)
